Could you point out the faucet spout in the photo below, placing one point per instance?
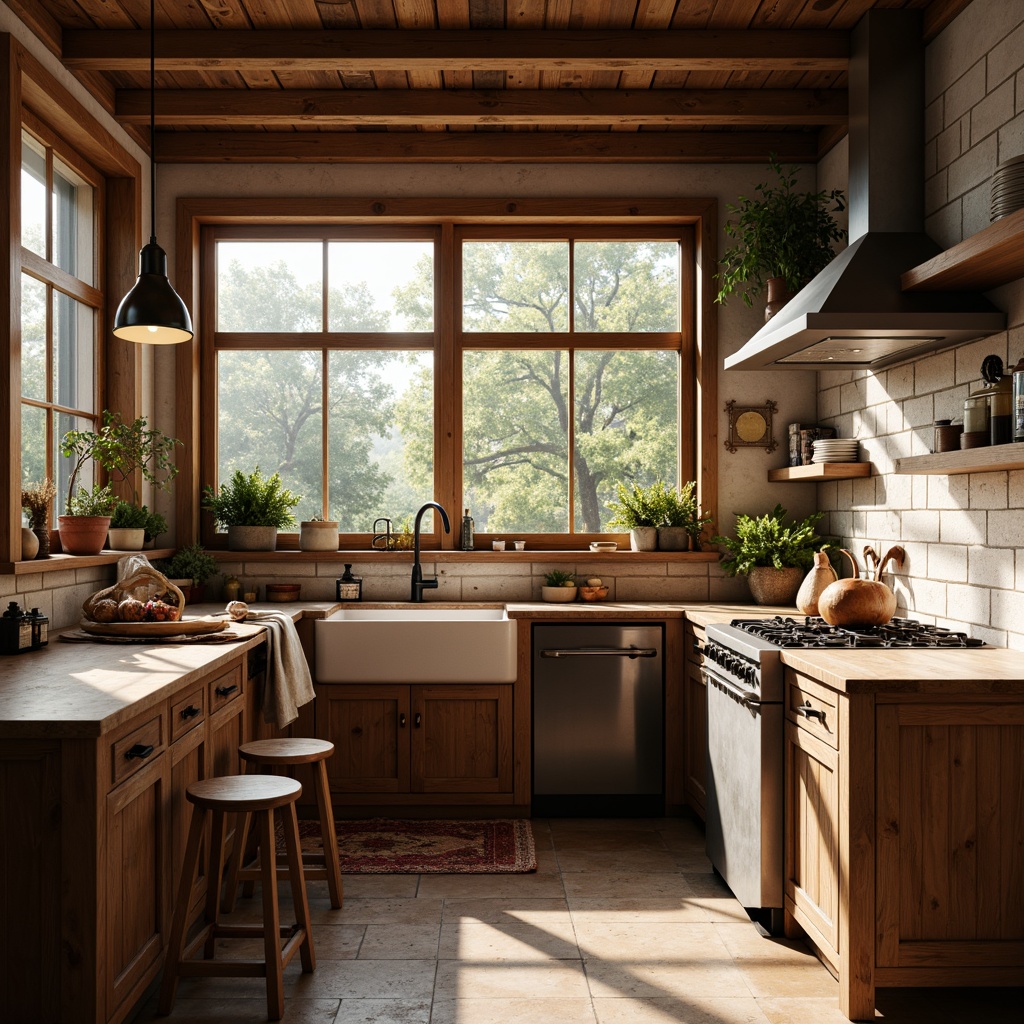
(419, 584)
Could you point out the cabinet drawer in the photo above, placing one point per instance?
(136, 749)
(812, 707)
(225, 688)
(693, 642)
(188, 712)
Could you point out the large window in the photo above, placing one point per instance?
(60, 303)
(520, 372)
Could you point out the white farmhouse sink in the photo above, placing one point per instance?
(416, 644)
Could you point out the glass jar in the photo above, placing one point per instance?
(976, 414)
(1000, 405)
(1017, 412)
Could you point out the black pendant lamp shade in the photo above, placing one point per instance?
(152, 313)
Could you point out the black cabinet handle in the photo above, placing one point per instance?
(401, 720)
(806, 711)
(190, 712)
(697, 649)
(417, 720)
(223, 691)
(140, 750)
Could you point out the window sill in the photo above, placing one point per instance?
(56, 563)
(482, 554)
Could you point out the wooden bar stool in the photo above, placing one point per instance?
(250, 796)
(280, 754)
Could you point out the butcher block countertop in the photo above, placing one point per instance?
(78, 690)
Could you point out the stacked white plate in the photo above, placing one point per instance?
(839, 449)
(1007, 187)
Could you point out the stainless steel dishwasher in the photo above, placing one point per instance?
(598, 720)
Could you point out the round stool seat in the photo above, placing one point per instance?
(286, 751)
(244, 792)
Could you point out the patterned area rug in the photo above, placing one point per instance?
(386, 846)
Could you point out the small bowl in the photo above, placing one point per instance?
(559, 594)
(283, 591)
(604, 545)
(593, 593)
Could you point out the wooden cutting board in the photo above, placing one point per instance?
(182, 627)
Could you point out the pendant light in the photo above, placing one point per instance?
(152, 313)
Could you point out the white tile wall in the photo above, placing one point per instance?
(964, 534)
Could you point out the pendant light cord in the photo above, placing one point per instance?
(152, 121)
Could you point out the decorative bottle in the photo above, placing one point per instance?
(1018, 401)
(466, 540)
(349, 587)
(820, 576)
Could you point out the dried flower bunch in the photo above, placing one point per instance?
(37, 501)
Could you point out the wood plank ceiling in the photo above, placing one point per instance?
(471, 80)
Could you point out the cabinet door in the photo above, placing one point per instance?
(369, 727)
(188, 765)
(462, 738)
(812, 837)
(136, 876)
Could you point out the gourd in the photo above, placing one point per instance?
(820, 576)
(857, 602)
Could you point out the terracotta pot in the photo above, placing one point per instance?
(29, 544)
(643, 538)
(673, 538)
(252, 538)
(775, 586)
(122, 539)
(83, 535)
(778, 296)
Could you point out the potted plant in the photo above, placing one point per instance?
(558, 586)
(638, 510)
(128, 527)
(83, 528)
(318, 534)
(188, 569)
(783, 238)
(37, 501)
(772, 555)
(155, 525)
(253, 508)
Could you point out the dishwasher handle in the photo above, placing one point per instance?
(599, 652)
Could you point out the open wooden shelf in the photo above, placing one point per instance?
(821, 471)
(57, 562)
(993, 256)
(970, 460)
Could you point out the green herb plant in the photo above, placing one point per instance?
(253, 500)
(155, 525)
(638, 506)
(100, 501)
(779, 233)
(559, 578)
(127, 516)
(766, 541)
(193, 563)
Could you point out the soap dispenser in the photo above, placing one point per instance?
(349, 587)
(466, 540)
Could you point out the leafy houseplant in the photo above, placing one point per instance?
(194, 565)
(680, 521)
(251, 501)
(155, 525)
(764, 547)
(128, 526)
(558, 586)
(638, 509)
(781, 233)
(83, 528)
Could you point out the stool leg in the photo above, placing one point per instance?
(298, 882)
(176, 939)
(271, 916)
(330, 839)
(243, 839)
(213, 879)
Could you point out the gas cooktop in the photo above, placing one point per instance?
(812, 631)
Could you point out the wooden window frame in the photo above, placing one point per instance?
(693, 221)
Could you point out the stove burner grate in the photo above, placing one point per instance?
(784, 631)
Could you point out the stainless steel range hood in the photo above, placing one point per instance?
(854, 313)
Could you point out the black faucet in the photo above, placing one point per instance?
(419, 584)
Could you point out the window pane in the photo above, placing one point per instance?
(626, 286)
(33, 338)
(269, 414)
(74, 353)
(269, 286)
(63, 422)
(515, 441)
(72, 223)
(515, 286)
(33, 195)
(626, 428)
(33, 444)
(381, 437)
(380, 286)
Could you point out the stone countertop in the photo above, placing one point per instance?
(74, 690)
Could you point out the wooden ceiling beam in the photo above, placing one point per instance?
(329, 108)
(488, 147)
(458, 50)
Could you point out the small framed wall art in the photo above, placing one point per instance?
(750, 426)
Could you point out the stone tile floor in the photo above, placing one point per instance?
(623, 923)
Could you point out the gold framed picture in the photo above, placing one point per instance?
(750, 426)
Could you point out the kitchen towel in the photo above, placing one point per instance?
(289, 684)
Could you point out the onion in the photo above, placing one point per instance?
(857, 602)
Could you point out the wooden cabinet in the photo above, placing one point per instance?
(695, 717)
(418, 744)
